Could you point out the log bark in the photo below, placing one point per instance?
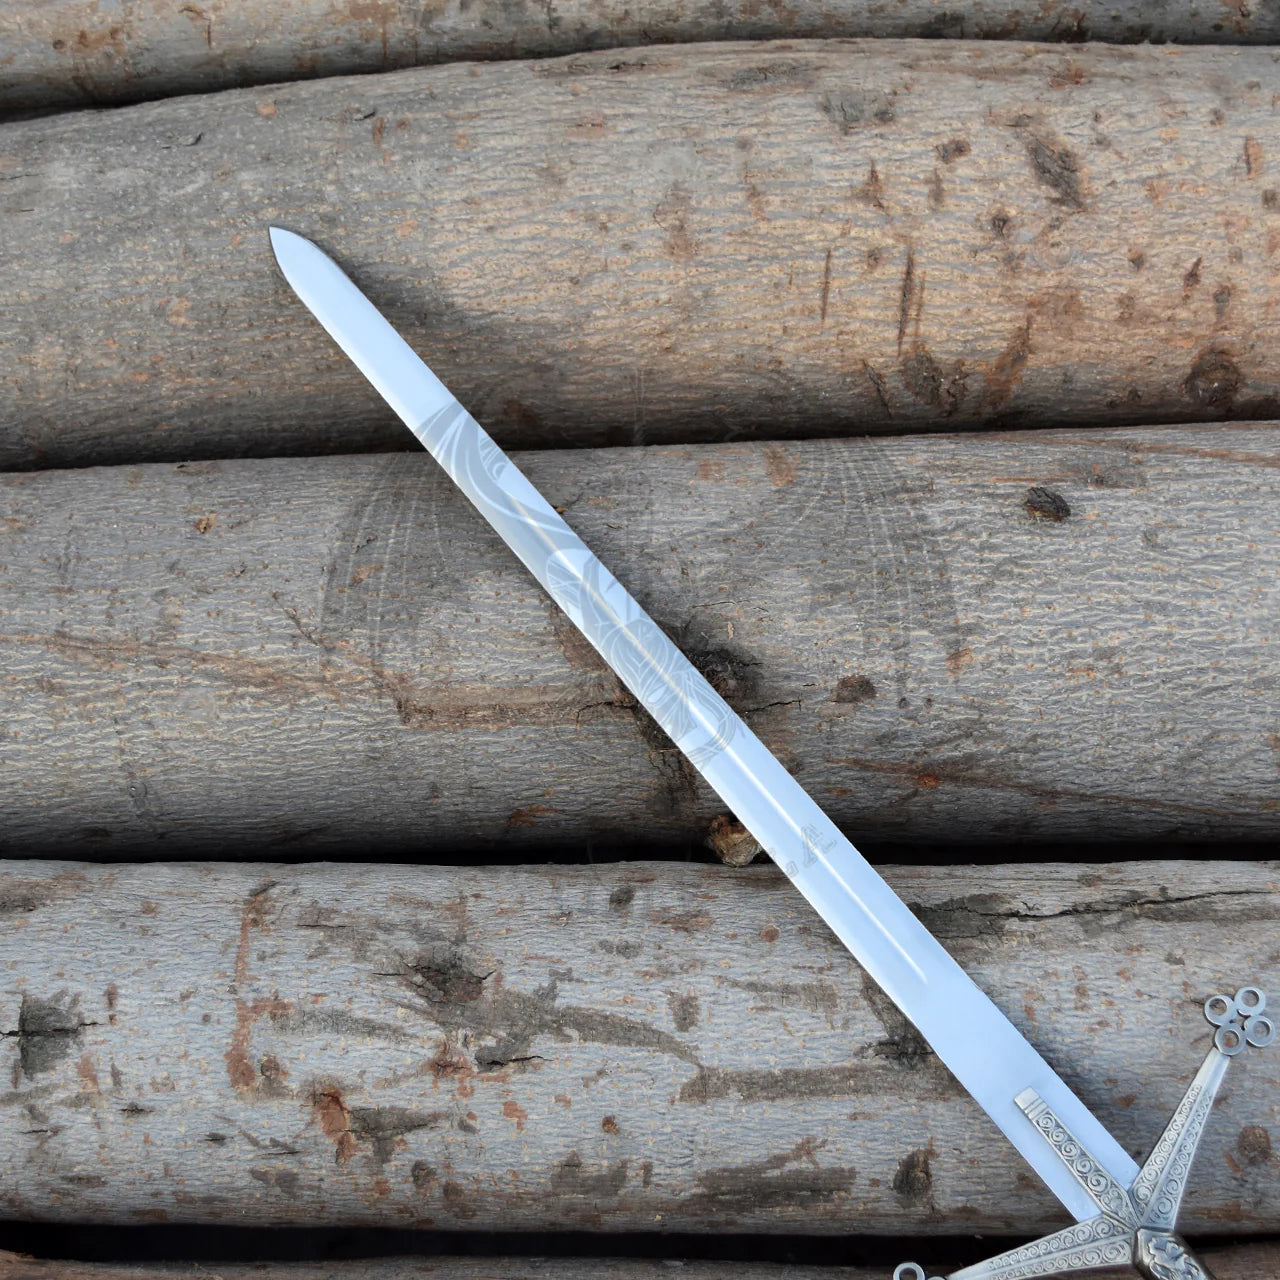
(627, 1047)
(71, 53)
(659, 245)
(1234, 1262)
(338, 655)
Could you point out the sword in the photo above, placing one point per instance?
(1122, 1213)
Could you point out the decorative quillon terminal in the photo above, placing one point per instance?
(1134, 1224)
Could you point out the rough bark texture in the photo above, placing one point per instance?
(1237, 1262)
(656, 245)
(626, 1047)
(70, 53)
(325, 654)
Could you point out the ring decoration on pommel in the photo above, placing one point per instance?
(911, 1271)
(1240, 1020)
(1134, 1224)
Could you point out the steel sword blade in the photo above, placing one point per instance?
(980, 1046)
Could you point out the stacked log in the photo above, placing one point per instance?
(1240, 1262)
(980, 639)
(70, 53)
(625, 1047)
(685, 243)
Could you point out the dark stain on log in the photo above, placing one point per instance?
(772, 75)
(423, 1176)
(48, 1031)
(902, 1042)
(932, 383)
(501, 1025)
(853, 689)
(1057, 167)
(1214, 379)
(622, 897)
(730, 673)
(385, 1127)
(684, 1010)
(913, 1181)
(20, 897)
(1222, 299)
(779, 465)
(947, 24)
(1044, 503)
(1191, 277)
(1253, 163)
(853, 109)
(455, 1200)
(771, 1183)
(978, 915)
(672, 214)
(778, 1084)
(330, 1112)
(951, 151)
(577, 649)
(571, 1177)
(442, 977)
(1253, 1145)
(283, 1180)
(814, 997)
(1110, 471)
(871, 193)
(910, 298)
(1006, 369)
(288, 1019)
(695, 921)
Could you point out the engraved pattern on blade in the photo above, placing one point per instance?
(1161, 1256)
(669, 687)
(1101, 1187)
(1100, 1242)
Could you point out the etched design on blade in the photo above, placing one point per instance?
(669, 687)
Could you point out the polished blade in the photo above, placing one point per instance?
(986, 1053)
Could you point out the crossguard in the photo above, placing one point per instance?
(1134, 1224)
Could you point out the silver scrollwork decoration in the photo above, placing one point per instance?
(1136, 1223)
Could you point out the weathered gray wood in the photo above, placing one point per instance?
(1235, 1262)
(624, 1047)
(337, 654)
(68, 53)
(667, 244)
(14, 1267)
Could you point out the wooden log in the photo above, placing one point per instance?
(1233, 1262)
(337, 654)
(667, 244)
(657, 1047)
(72, 53)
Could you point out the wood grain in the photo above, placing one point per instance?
(1236, 1262)
(337, 654)
(73, 53)
(628, 1047)
(666, 244)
